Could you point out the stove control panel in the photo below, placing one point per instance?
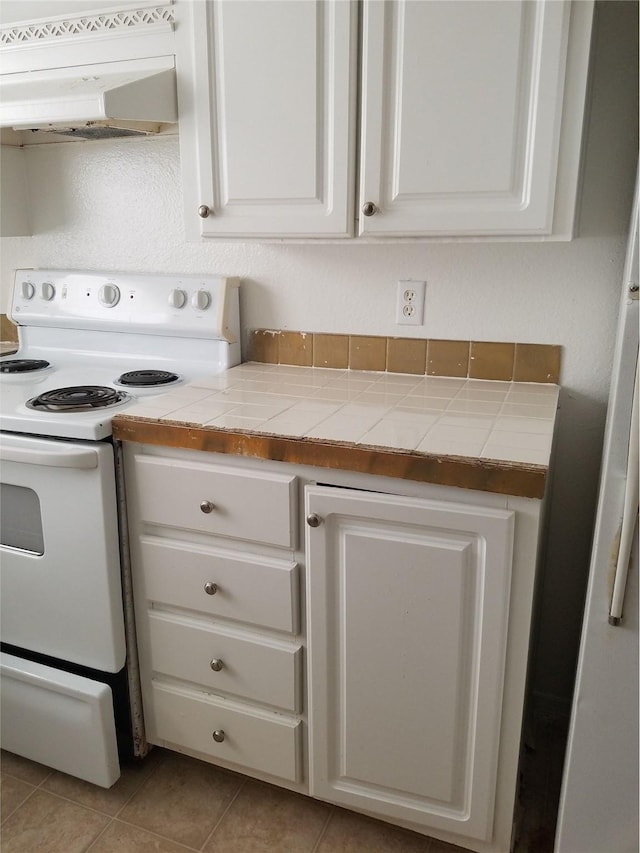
(173, 306)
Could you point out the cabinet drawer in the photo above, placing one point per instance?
(258, 670)
(212, 499)
(259, 740)
(247, 589)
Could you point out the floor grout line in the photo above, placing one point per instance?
(5, 818)
(323, 831)
(156, 835)
(222, 816)
(99, 835)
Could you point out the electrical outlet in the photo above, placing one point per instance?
(410, 303)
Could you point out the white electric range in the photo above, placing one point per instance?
(90, 345)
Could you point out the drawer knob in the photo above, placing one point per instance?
(218, 735)
(369, 208)
(210, 588)
(216, 664)
(313, 520)
(207, 506)
(203, 211)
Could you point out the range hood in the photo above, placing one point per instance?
(94, 101)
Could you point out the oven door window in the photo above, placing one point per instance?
(21, 519)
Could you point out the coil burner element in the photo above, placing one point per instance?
(77, 398)
(23, 365)
(147, 378)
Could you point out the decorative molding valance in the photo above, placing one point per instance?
(111, 22)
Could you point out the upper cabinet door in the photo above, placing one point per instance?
(267, 115)
(462, 116)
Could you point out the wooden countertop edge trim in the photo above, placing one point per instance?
(484, 475)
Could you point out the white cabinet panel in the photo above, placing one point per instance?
(408, 610)
(255, 739)
(462, 108)
(254, 668)
(211, 499)
(270, 126)
(248, 588)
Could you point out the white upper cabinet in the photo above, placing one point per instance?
(267, 105)
(461, 116)
(470, 117)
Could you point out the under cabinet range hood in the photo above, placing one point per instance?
(125, 98)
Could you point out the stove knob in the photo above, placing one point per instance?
(201, 300)
(177, 298)
(47, 291)
(109, 295)
(28, 290)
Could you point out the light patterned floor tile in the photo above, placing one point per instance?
(120, 837)
(47, 824)
(265, 818)
(182, 800)
(13, 793)
(351, 833)
(23, 768)
(262, 817)
(106, 800)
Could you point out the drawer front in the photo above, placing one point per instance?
(255, 506)
(245, 588)
(260, 671)
(62, 720)
(265, 742)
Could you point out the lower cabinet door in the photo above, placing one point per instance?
(408, 603)
(58, 719)
(225, 730)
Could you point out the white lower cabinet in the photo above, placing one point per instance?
(408, 610)
(379, 664)
(218, 616)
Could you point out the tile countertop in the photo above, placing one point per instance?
(472, 433)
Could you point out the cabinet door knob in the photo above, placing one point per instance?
(203, 211)
(218, 735)
(210, 588)
(207, 506)
(369, 208)
(216, 664)
(313, 520)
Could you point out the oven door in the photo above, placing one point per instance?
(60, 586)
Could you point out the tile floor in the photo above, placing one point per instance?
(173, 804)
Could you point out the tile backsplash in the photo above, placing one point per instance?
(466, 359)
(8, 330)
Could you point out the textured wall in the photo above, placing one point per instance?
(117, 206)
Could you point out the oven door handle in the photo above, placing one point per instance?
(59, 458)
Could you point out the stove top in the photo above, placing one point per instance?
(81, 361)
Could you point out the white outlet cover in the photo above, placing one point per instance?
(410, 302)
